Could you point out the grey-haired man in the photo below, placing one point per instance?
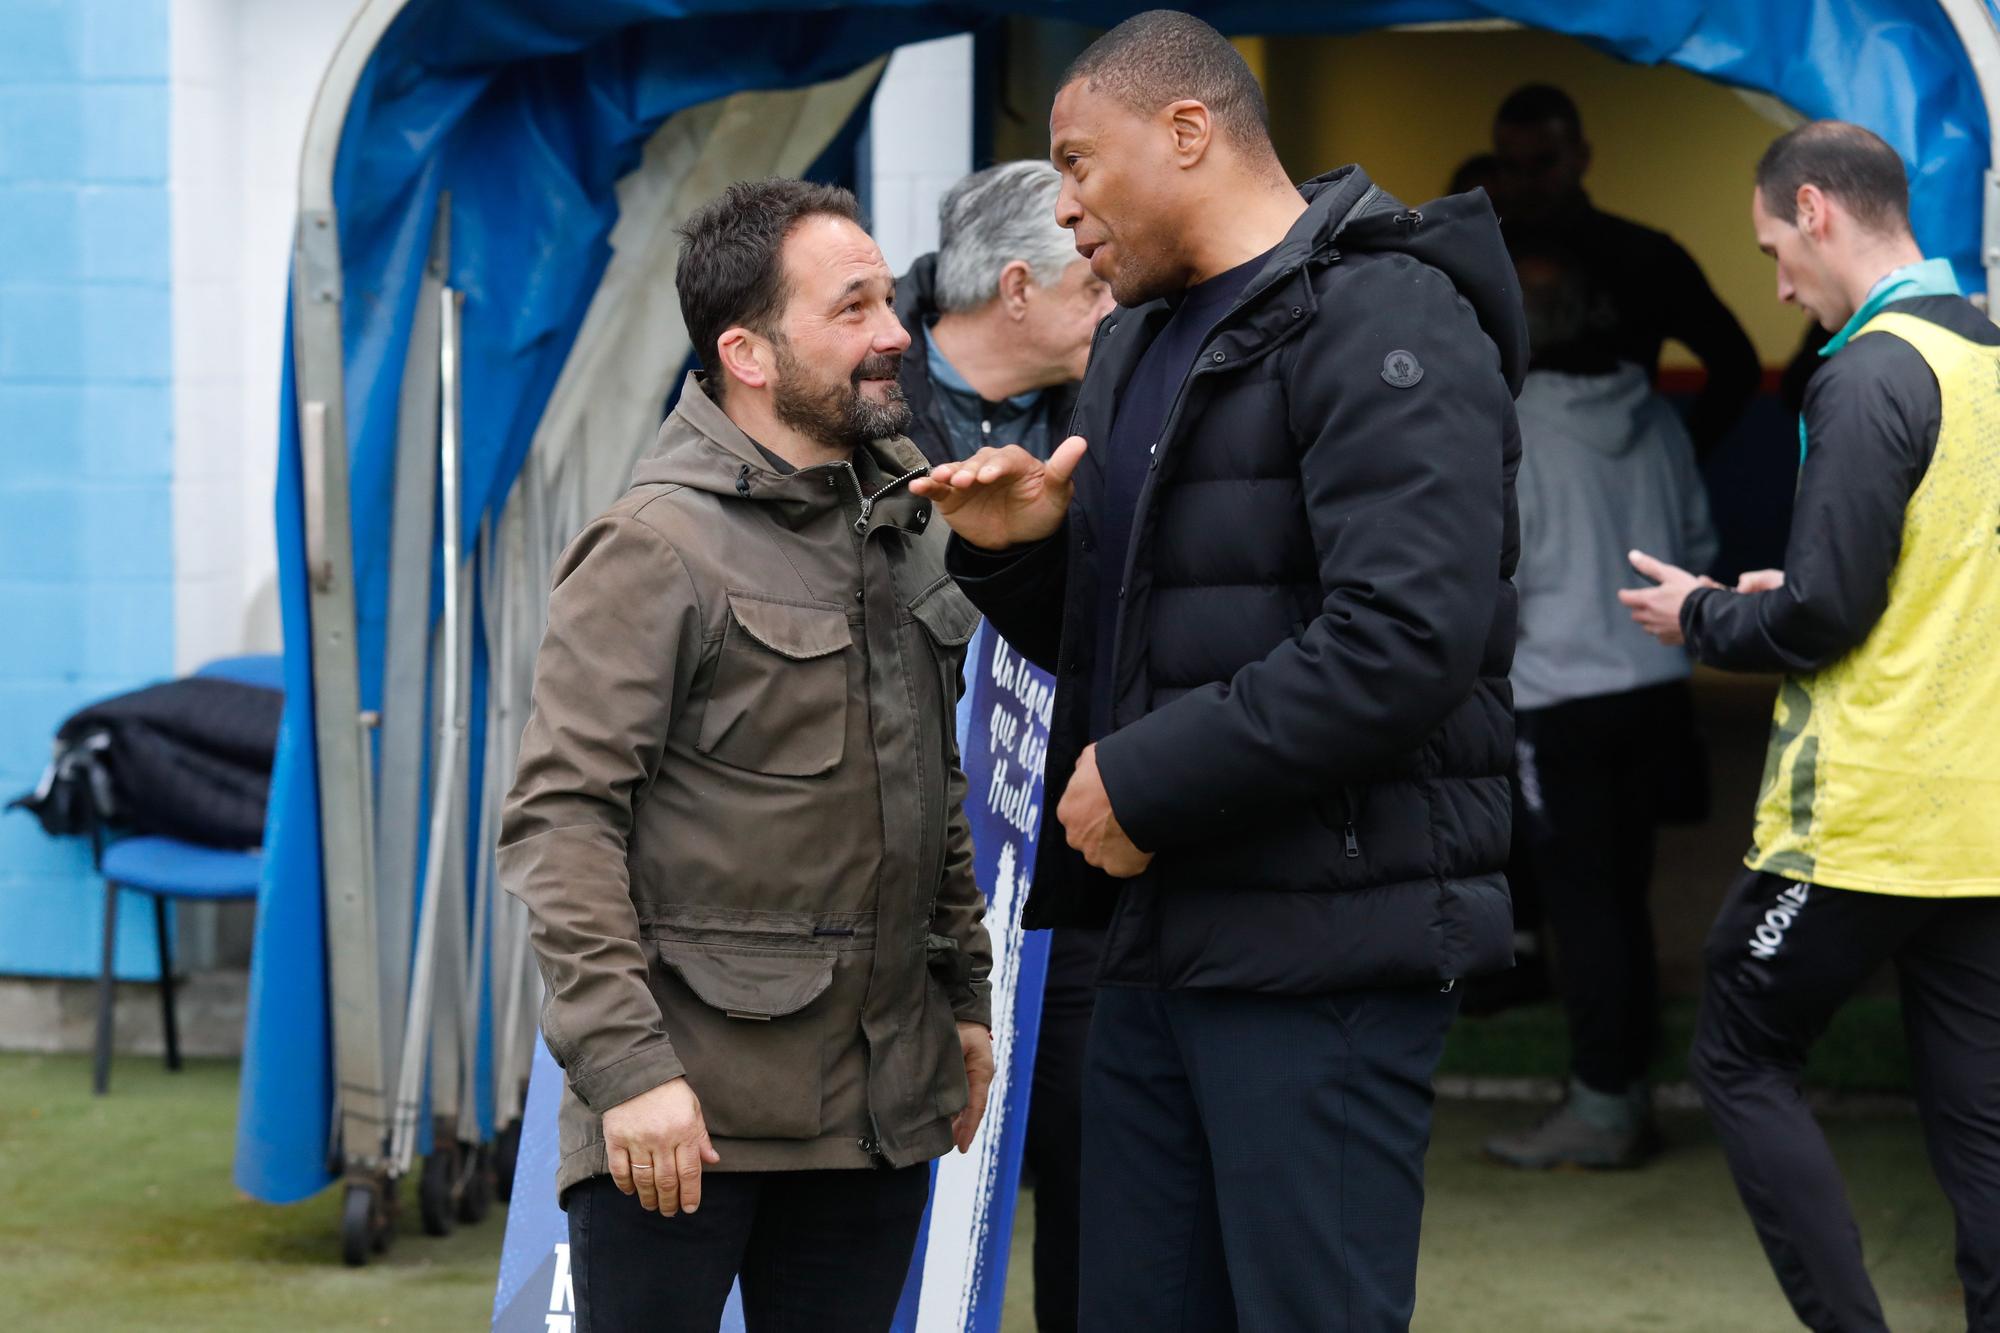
(1000, 318)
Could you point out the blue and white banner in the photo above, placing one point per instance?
(959, 1276)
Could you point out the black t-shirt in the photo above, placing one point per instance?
(1656, 292)
(1125, 458)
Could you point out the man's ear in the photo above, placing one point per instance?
(1193, 130)
(1810, 215)
(1015, 281)
(744, 357)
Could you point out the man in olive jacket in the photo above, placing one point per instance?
(737, 818)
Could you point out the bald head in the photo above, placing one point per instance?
(1163, 56)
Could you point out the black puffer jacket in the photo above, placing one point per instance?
(1313, 724)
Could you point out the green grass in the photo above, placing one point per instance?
(1863, 1050)
(118, 1214)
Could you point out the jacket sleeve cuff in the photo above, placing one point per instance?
(1122, 768)
(625, 1078)
(974, 1005)
(975, 564)
(1691, 620)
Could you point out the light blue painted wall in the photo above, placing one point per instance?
(86, 439)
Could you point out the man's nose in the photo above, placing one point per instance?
(1068, 211)
(890, 335)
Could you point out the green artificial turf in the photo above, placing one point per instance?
(1863, 1050)
(118, 1214)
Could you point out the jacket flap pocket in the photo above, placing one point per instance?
(947, 613)
(750, 983)
(789, 629)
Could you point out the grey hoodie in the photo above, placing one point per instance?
(1606, 467)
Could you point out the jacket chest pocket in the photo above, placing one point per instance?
(949, 619)
(779, 700)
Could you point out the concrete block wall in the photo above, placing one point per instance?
(86, 443)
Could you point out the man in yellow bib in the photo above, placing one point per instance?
(1878, 831)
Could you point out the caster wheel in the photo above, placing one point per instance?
(357, 1226)
(475, 1198)
(506, 1152)
(434, 1190)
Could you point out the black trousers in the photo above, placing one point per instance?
(1256, 1162)
(1782, 958)
(1589, 781)
(1054, 1147)
(818, 1252)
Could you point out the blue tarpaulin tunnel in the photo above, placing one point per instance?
(528, 114)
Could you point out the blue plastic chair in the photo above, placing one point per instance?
(164, 868)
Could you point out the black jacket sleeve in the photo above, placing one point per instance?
(1871, 419)
(1697, 318)
(1405, 496)
(1020, 591)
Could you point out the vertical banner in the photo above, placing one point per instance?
(959, 1275)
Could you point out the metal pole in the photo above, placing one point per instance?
(344, 773)
(1979, 35)
(406, 665)
(447, 776)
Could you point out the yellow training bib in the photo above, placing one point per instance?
(1884, 768)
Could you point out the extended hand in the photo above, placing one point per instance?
(1760, 580)
(1092, 827)
(1004, 497)
(1658, 610)
(977, 1045)
(657, 1143)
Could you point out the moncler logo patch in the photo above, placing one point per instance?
(1401, 370)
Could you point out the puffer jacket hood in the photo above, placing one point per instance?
(1609, 413)
(1459, 235)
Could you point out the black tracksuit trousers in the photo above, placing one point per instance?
(1782, 958)
(1588, 775)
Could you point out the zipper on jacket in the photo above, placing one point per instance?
(868, 502)
(1349, 836)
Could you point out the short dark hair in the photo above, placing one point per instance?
(1538, 104)
(1164, 56)
(732, 264)
(1847, 163)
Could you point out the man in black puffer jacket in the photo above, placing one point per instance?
(1274, 587)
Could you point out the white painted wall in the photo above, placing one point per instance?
(920, 133)
(243, 77)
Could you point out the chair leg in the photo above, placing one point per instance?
(166, 982)
(107, 984)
